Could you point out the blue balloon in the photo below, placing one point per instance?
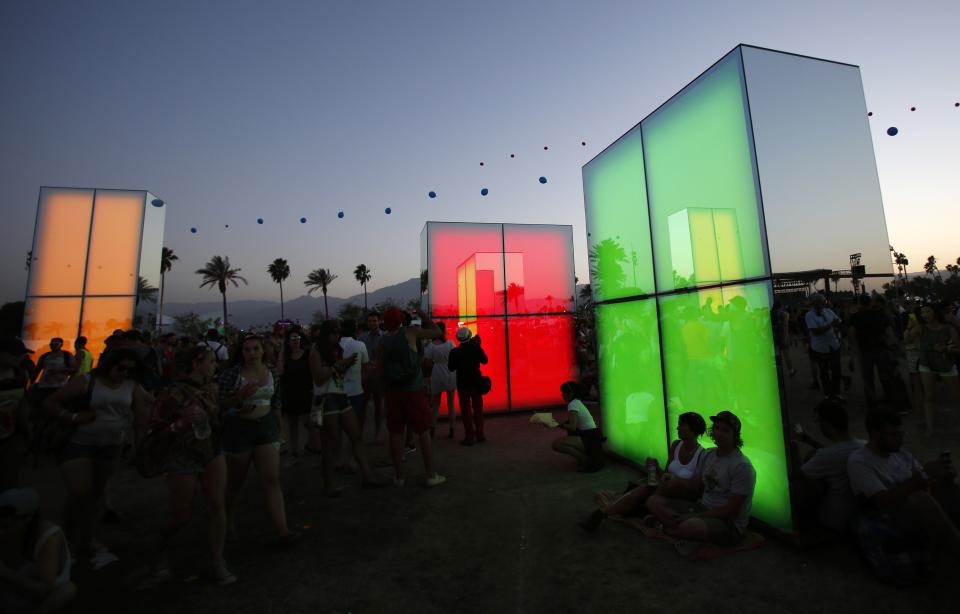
(388, 210)
(484, 192)
(193, 230)
(303, 220)
(156, 202)
(340, 215)
(259, 220)
(226, 225)
(432, 194)
(543, 180)
(892, 131)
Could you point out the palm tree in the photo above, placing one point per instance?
(362, 275)
(279, 271)
(145, 292)
(167, 257)
(217, 273)
(931, 267)
(320, 279)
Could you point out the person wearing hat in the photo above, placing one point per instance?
(34, 558)
(822, 324)
(465, 360)
(13, 409)
(726, 480)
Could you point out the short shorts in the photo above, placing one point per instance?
(240, 435)
(334, 404)
(925, 369)
(721, 532)
(408, 409)
(98, 454)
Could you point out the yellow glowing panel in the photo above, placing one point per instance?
(101, 316)
(728, 244)
(115, 243)
(704, 242)
(45, 318)
(60, 247)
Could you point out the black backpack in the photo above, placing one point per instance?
(399, 366)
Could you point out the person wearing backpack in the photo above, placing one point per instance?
(408, 406)
(465, 361)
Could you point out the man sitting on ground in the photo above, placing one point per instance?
(726, 479)
(824, 488)
(895, 502)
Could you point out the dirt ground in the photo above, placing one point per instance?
(500, 536)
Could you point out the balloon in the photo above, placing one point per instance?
(156, 202)
(584, 143)
(303, 220)
(340, 215)
(432, 194)
(481, 164)
(513, 156)
(388, 210)
(226, 225)
(913, 108)
(259, 220)
(892, 131)
(956, 104)
(543, 180)
(193, 230)
(484, 192)
(869, 113)
(545, 148)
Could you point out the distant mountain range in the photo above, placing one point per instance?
(257, 313)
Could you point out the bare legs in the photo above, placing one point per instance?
(267, 460)
(214, 482)
(86, 481)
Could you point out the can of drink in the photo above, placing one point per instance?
(651, 473)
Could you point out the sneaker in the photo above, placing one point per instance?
(410, 449)
(436, 480)
(398, 482)
(290, 539)
(157, 578)
(221, 575)
(102, 558)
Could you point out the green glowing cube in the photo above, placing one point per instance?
(762, 166)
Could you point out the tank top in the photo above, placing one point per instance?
(113, 411)
(53, 380)
(264, 394)
(296, 376)
(680, 470)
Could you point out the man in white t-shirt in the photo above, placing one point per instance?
(352, 379)
(822, 323)
(891, 485)
(212, 341)
(583, 440)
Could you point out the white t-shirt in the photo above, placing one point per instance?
(585, 420)
(827, 341)
(219, 349)
(352, 378)
(871, 473)
(830, 465)
(725, 476)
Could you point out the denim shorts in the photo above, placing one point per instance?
(240, 435)
(98, 454)
(335, 404)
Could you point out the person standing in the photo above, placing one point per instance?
(84, 359)
(465, 361)
(353, 377)
(937, 345)
(822, 323)
(372, 375)
(296, 385)
(13, 410)
(442, 381)
(219, 350)
(54, 369)
(407, 404)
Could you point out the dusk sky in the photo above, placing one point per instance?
(230, 111)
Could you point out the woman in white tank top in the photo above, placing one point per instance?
(683, 459)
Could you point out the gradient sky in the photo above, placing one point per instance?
(231, 111)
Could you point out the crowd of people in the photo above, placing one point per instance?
(201, 411)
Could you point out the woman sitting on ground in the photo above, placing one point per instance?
(583, 440)
(34, 558)
(675, 482)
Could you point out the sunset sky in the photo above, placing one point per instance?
(230, 111)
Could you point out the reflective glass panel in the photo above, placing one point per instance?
(493, 339)
(718, 355)
(101, 316)
(818, 175)
(60, 242)
(466, 269)
(541, 358)
(539, 266)
(702, 187)
(45, 318)
(618, 226)
(631, 385)
(114, 257)
(424, 272)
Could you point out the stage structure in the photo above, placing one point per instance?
(513, 284)
(96, 255)
(763, 165)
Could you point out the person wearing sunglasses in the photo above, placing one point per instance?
(102, 406)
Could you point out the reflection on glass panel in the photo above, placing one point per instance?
(631, 386)
(112, 264)
(493, 339)
(817, 169)
(618, 226)
(702, 186)
(539, 268)
(45, 318)
(718, 355)
(466, 269)
(60, 243)
(424, 272)
(102, 316)
(541, 358)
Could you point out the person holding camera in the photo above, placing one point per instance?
(465, 361)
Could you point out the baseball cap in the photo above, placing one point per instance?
(464, 333)
(13, 346)
(23, 500)
(729, 417)
(392, 319)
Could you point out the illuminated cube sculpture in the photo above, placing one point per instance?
(94, 251)
(513, 284)
(761, 166)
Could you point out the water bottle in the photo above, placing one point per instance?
(201, 427)
(651, 473)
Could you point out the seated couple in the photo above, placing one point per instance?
(704, 495)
